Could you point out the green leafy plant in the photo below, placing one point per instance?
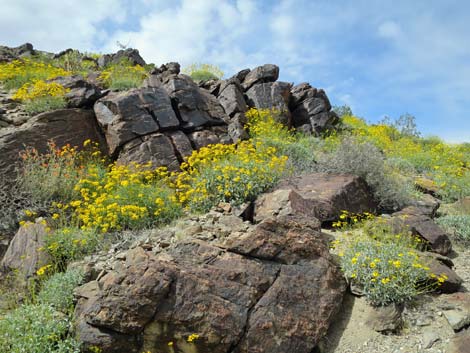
(123, 76)
(203, 72)
(458, 225)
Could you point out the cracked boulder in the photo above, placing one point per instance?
(64, 126)
(271, 95)
(196, 107)
(423, 226)
(317, 195)
(273, 288)
(311, 107)
(81, 94)
(127, 115)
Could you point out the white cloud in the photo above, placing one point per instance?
(56, 25)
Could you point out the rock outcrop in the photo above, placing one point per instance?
(272, 289)
(318, 195)
(64, 126)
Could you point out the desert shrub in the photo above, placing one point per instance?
(53, 175)
(203, 72)
(123, 76)
(447, 164)
(44, 104)
(227, 173)
(68, 244)
(124, 197)
(17, 73)
(387, 272)
(365, 160)
(458, 225)
(36, 328)
(57, 291)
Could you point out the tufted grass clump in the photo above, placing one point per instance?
(457, 225)
(227, 173)
(203, 72)
(123, 76)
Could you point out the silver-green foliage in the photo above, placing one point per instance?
(458, 225)
(57, 291)
(36, 328)
(363, 159)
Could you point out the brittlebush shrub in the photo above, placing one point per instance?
(124, 197)
(17, 73)
(447, 164)
(457, 225)
(264, 126)
(40, 96)
(227, 173)
(386, 266)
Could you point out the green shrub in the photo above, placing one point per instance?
(387, 272)
(44, 104)
(123, 76)
(458, 225)
(203, 72)
(53, 175)
(36, 328)
(57, 291)
(68, 244)
(363, 159)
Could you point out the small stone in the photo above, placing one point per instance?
(457, 319)
(429, 338)
(385, 318)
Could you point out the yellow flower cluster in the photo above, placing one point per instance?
(263, 123)
(124, 197)
(347, 218)
(230, 173)
(448, 165)
(38, 89)
(28, 69)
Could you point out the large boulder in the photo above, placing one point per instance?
(155, 148)
(26, 253)
(271, 95)
(318, 195)
(9, 54)
(260, 74)
(423, 226)
(272, 289)
(231, 97)
(127, 115)
(129, 54)
(195, 106)
(81, 93)
(310, 106)
(64, 126)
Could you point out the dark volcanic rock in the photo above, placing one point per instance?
(137, 112)
(311, 106)
(64, 126)
(273, 290)
(155, 148)
(318, 195)
(271, 95)
(423, 226)
(196, 107)
(260, 74)
(129, 54)
(231, 98)
(9, 54)
(82, 93)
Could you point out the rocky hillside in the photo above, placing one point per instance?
(145, 211)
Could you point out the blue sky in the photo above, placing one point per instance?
(379, 57)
